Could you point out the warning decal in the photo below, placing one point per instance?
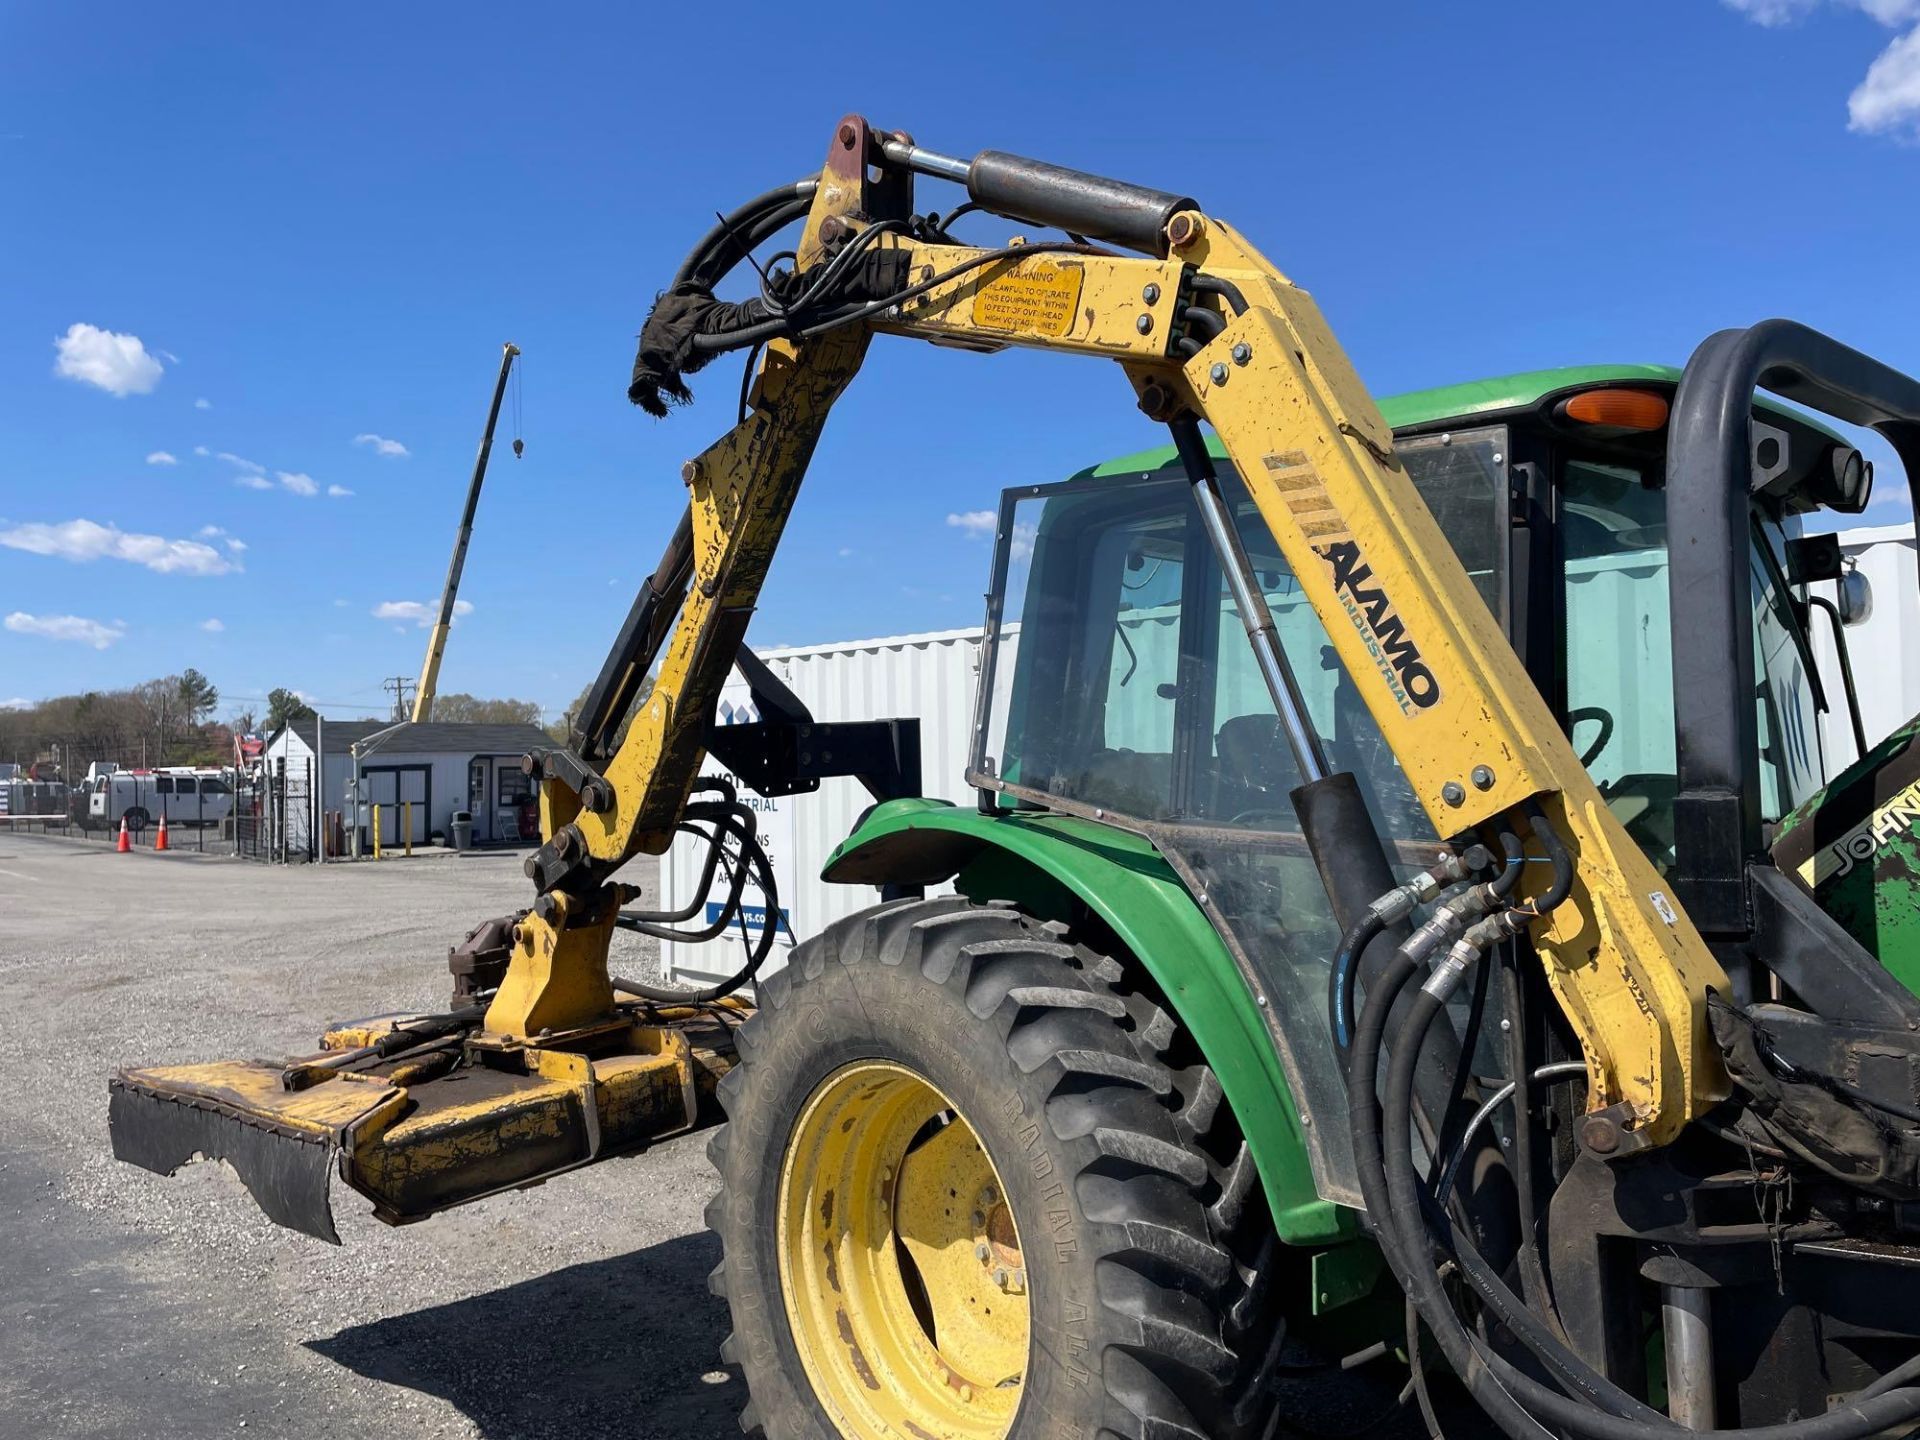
(1034, 297)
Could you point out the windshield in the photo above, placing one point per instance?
(1618, 655)
(1119, 681)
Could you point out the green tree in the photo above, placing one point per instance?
(562, 728)
(197, 695)
(461, 707)
(283, 707)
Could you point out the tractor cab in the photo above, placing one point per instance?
(1118, 686)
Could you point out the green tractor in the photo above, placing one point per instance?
(1406, 916)
(1075, 1135)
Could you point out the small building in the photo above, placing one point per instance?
(434, 767)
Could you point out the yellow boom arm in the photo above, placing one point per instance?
(1452, 700)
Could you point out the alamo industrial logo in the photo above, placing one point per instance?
(1393, 650)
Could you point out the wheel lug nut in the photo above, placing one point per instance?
(1000, 1278)
(987, 1197)
(981, 1251)
(966, 1394)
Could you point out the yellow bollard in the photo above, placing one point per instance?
(406, 821)
(376, 832)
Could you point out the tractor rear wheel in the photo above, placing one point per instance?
(973, 1184)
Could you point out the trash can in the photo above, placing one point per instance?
(462, 830)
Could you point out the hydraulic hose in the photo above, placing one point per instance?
(702, 262)
(1505, 1392)
(730, 819)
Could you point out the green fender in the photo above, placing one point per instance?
(1122, 878)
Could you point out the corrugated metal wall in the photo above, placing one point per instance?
(929, 676)
(1885, 650)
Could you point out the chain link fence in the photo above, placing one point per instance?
(271, 816)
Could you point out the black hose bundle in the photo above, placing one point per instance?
(717, 822)
(1420, 1243)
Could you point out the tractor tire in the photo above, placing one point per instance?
(943, 1107)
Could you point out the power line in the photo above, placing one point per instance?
(398, 686)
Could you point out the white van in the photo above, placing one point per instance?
(185, 797)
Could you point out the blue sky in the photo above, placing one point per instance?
(278, 234)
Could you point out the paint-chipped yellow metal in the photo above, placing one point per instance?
(319, 1112)
(1316, 454)
(557, 976)
(900, 1263)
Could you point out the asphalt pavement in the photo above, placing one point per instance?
(135, 1306)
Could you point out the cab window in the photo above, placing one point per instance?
(1618, 656)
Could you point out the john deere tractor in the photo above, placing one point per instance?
(1406, 924)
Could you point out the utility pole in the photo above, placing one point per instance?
(398, 686)
(437, 642)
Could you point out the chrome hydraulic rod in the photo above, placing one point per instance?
(1309, 755)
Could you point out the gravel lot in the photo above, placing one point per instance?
(132, 1305)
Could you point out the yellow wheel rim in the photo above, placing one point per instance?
(905, 1285)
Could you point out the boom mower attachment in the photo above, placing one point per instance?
(419, 1125)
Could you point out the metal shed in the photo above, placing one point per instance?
(437, 768)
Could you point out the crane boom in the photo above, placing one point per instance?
(437, 641)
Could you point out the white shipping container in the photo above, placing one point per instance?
(930, 677)
(1885, 650)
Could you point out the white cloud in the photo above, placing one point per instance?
(117, 364)
(298, 484)
(240, 462)
(1773, 13)
(82, 541)
(161, 457)
(236, 546)
(1888, 100)
(203, 403)
(1024, 534)
(202, 451)
(66, 627)
(16, 703)
(846, 553)
(420, 614)
(382, 446)
(975, 524)
(338, 492)
(253, 482)
(209, 532)
(212, 627)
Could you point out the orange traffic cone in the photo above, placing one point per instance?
(125, 844)
(160, 840)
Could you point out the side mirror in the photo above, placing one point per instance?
(1855, 597)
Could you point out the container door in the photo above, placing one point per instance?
(383, 790)
(413, 790)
